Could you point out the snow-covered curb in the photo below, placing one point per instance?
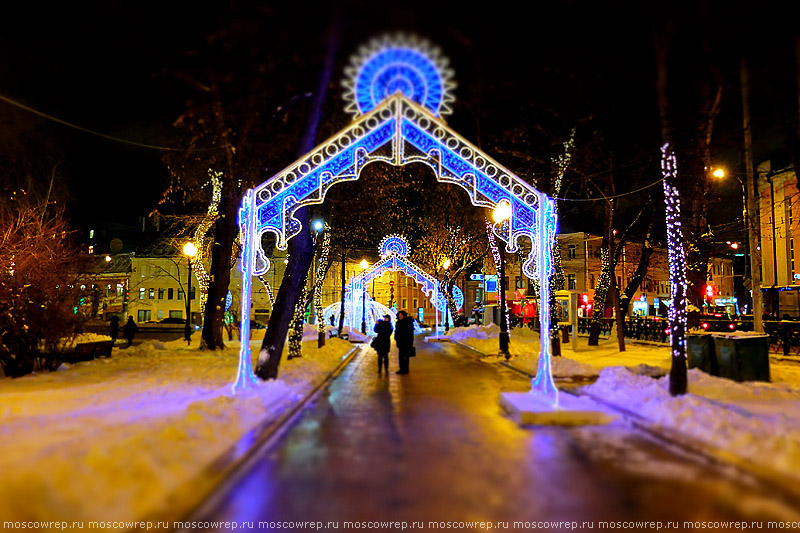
(758, 423)
(124, 437)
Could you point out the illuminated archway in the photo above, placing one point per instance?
(403, 127)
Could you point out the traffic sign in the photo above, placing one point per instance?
(391, 283)
(476, 277)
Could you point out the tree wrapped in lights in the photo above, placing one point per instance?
(319, 279)
(296, 330)
(495, 250)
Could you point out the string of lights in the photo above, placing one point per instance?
(675, 252)
(496, 256)
(606, 198)
(319, 278)
(200, 237)
(269, 290)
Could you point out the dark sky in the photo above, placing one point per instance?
(110, 67)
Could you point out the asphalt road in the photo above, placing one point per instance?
(434, 445)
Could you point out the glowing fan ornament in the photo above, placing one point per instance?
(399, 63)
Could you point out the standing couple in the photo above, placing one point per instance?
(403, 337)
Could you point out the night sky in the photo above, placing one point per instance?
(112, 67)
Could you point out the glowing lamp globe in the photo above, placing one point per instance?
(446, 264)
(719, 173)
(318, 225)
(108, 259)
(502, 212)
(189, 249)
(364, 264)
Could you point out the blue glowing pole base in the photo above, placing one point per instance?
(543, 384)
(247, 224)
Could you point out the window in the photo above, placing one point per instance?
(416, 303)
(170, 293)
(144, 315)
(572, 283)
(141, 293)
(404, 303)
(151, 294)
(571, 254)
(619, 282)
(176, 314)
(160, 314)
(120, 288)
(505, 283)
(192, 292)
(160, 294)
(518, 283)
(591, 281)
(180, 294)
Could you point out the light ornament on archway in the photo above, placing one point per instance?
(394, 251)
(458, 297)
(401, 128)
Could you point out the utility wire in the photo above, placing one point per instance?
(91, 132)
(610, 197)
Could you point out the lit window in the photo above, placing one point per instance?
(91, 249)
(141, 295)
(151, 294)
(571, 253)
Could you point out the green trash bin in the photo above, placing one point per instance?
(742, 357)
(700, 349)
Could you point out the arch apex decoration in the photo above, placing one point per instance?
(398, 89)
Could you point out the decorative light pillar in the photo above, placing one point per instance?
(364, 265)
(500, 214)
(189, 250)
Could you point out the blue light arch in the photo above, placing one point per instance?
(398, 131)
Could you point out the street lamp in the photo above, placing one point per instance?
(751, 246)
(501, 214)
(446, 266)
(189, 250)
(364, 265)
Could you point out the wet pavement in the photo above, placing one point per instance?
(435, 445)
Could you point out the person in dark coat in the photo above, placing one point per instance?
(114, 328)
(404, 338)
(130, 329)
(383, 342)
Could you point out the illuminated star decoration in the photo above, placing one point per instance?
(458, 297)
(399, 63)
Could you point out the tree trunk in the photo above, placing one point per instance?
(225, 232)
(344, 280)
(677, 260)
(601, 290)
(301, 246)
(641, 270)
(618, 317)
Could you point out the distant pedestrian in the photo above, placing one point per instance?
(383, 342)
(130, 330)
(114, 328)
(404, 337)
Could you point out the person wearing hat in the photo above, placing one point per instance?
(383, 342)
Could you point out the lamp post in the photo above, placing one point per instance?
(364, 265)
(189, 250)
(446, 267)
(500, 215)
(751, 252)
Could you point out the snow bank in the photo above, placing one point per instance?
(474, 332)
(112, 439)
(759, 422)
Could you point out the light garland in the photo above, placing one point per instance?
(200, 235)
(269, 290)
(319, 279)
(677, 258)
(603, 284)
(496, 256)
(296, 330)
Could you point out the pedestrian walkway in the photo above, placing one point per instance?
(435, 445)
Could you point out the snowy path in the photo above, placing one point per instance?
(434, 445)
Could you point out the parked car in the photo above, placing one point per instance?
(716, 322)
(173, 320)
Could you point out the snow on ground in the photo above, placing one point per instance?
(112, 439)
(756, 421)
(759, 422)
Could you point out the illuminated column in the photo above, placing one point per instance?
(247, 226)
(546, 222)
